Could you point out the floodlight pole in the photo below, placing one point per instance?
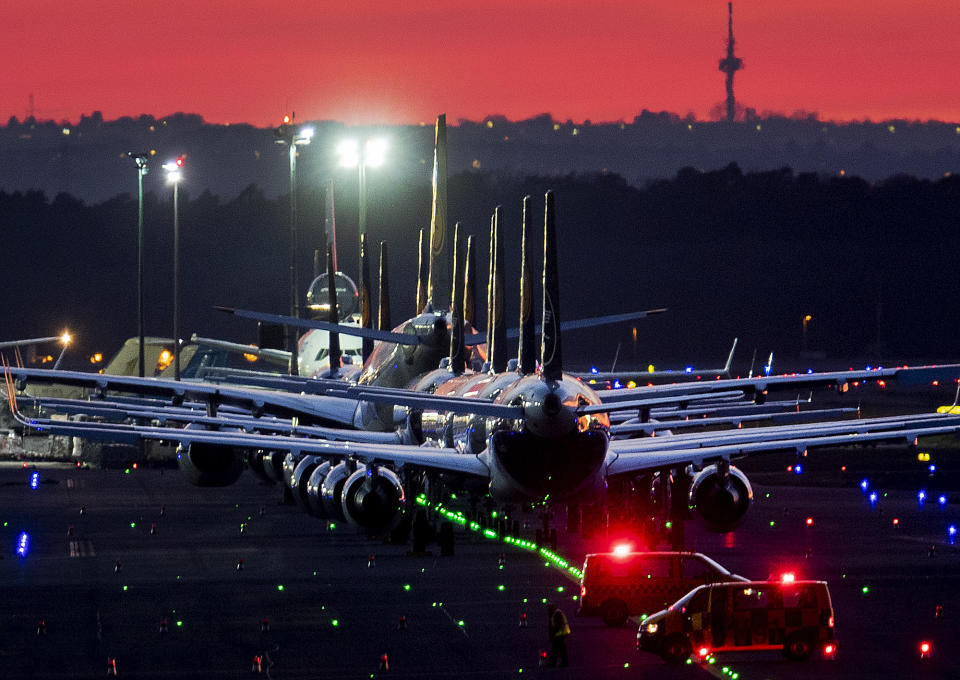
(141, 160)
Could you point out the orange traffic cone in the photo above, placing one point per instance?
(523, 619)
(111, 666)
(257, 664)
(371, 561)
(384, 662)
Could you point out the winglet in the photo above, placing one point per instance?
(726, 367)
(551, 355)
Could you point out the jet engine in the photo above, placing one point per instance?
(300, 480)
(331, 489)
(267, 465)
(314, 485)
(210, 464)
(719, 497)
(373, 499)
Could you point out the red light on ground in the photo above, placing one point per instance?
(286, 120)
(789, 468)
(829, 650)
(703, 651)
(926, 648)
(830, 622)
(134, 466)
(935, 383)
(896, 521)
(809, 521)
(843, 468)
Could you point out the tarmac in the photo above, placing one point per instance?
(115, 553)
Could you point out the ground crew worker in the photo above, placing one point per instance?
(558, 629)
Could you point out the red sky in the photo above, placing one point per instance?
(383, 61)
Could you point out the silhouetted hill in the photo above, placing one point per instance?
(88, 159)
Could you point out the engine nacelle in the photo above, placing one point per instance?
(314, 486)
(271, 463)
(210, 464)
(289, 464)
(331, 490)
(300, 480)
(720, 500)
(373, 499)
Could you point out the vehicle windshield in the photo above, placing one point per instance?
(685, 600)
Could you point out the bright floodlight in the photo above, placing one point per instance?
(65, 338)
(172, 169)
(375, 152)
(621, 550)
(349, 153)
(304, 135)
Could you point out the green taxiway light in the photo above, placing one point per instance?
(461, 623)
(133, 525)
(689, 661)
(280, 587)
(179, 624)
(865, 590)
(725, 670)
(500, 587)
(772, 522)
(669, 525)
(559, 589)
(406, 586)
(626, 665)
(335, 622)
(125, 588)
(127, 471)
(734, 676)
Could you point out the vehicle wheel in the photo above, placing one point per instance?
(797, 647)
(676, 648)
(614, 612)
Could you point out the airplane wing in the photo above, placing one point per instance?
(761, 385)
(368, 452)
(327, 409)
(637, 455)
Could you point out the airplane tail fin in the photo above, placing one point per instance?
(469, 287)
(438, 280)
(383, 294)
(527, 352)
(366, 314)
(333, 313)
(421, 278)
(458, 351)
(498, 353)
(551, 354)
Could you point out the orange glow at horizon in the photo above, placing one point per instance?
(375, 62)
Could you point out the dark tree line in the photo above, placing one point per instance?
(731, 254)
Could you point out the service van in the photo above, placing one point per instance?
(795, 617)
(616, 585)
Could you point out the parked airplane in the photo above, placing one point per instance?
(545, 435)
